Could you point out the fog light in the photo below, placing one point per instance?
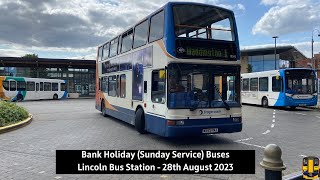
(179, 123)
(236, 119)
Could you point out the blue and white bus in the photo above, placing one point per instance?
(290, 87)
(169, 73)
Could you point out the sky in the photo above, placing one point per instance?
(75, 28)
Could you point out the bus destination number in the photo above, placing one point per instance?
(210, 130)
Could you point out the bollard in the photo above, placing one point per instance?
(272, 162)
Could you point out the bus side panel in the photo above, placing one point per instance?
(126, 115)
(155, 124)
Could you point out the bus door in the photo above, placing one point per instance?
(37, 92)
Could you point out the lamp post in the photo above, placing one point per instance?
(275, 52)
(312, 41)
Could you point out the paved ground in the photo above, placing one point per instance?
(29, 153)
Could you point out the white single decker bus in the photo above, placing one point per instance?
(22, 88)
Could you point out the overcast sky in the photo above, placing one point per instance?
(74, 28)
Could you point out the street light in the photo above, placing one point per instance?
(275, 52)
(312, 59)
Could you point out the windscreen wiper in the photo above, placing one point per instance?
(224, 102)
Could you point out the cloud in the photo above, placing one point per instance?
(288, 16)
(75, 24)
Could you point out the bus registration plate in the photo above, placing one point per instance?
(210, 130)
(302, 105)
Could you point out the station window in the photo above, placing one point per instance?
(13, 85)
(112, 86)
(47, 86)
(55, 87)
(263, 84)
(156, 27)
(21, 86)
(158, 86)
(30, 86)
(254, 84)
(5, 85)
(126, 41)
(123, 86)
(141, 34)
(276, 84)
(245, 85)
(63, 87)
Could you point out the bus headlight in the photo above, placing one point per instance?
(237, 119)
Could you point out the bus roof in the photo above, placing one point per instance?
(163, 7)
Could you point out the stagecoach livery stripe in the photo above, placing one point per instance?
(107, 104)
(23, 93)
(160, 43)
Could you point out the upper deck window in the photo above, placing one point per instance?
(196, 21)
(156, 26)
(141, 34)
(113, 47)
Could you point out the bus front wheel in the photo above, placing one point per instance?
(55, 96)
(265, 102)
(140, 121)
(19, 97)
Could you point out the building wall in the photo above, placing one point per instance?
(244, 64)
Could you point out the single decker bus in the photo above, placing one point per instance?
(291, 87)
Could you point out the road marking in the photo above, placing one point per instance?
(318, 117)
(163, 176)
(301, 114)
(58, 177)
(273, 120)
(272, 125)
(303, 155)
(274, 116)
(41, 172)
(247, 139)
(266, 132)
(252, 145)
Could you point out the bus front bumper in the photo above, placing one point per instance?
(176, 131)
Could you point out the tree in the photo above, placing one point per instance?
(249, 68)
(30, 56)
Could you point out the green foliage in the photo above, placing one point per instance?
(10, 113)
(30, 56)
(249, 68)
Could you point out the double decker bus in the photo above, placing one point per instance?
(291, 87)
(169, 73)
(22, 88)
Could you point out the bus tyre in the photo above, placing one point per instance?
(265, 102)
(103, 109)
(140, 121)
(19, 97)
(55, 96)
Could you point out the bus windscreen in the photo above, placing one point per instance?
(203, 22)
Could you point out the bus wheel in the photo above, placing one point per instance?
(19, 97)
(103, 109)
(140, 121)
(55, 96)
(265, 102)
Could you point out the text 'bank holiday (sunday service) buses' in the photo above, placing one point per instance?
(169, 73)
(22, 88)
(291, 87)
